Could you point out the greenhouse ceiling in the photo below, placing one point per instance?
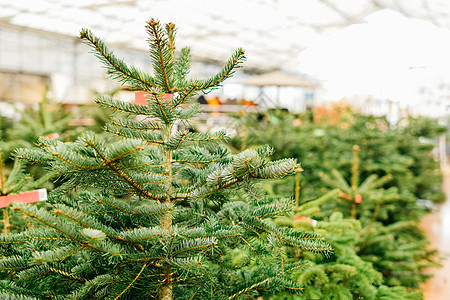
(273, 32)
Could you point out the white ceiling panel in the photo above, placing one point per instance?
(273, 32)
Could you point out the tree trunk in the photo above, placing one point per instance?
(166, 292)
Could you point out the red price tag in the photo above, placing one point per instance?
(25, 197)
(139, 97)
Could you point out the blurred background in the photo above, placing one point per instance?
(383, 56)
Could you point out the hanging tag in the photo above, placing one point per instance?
(311, 221)
(25, 197)
(139, 97)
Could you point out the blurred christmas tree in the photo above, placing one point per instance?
(47, 119)
(150, 211)
(375, 257)
(345, 275)
(404, 151)
(394, 245)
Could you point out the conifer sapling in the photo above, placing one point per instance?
(152, 211)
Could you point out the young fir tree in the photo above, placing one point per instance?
(151, 211)
(347, 274)
(394, 245)
(385, 149)
(49, 118)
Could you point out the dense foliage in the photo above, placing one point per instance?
(22, 130)
(151, 210)
(404, 150)
(47, 119)
(370, 216)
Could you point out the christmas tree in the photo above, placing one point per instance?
(49, 119)
(376, 257)
(152, 211)
(347, 274)
(404, 151)
(394, 245)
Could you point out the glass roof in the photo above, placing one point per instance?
(273, 32)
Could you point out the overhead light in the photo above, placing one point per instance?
(112, 3)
